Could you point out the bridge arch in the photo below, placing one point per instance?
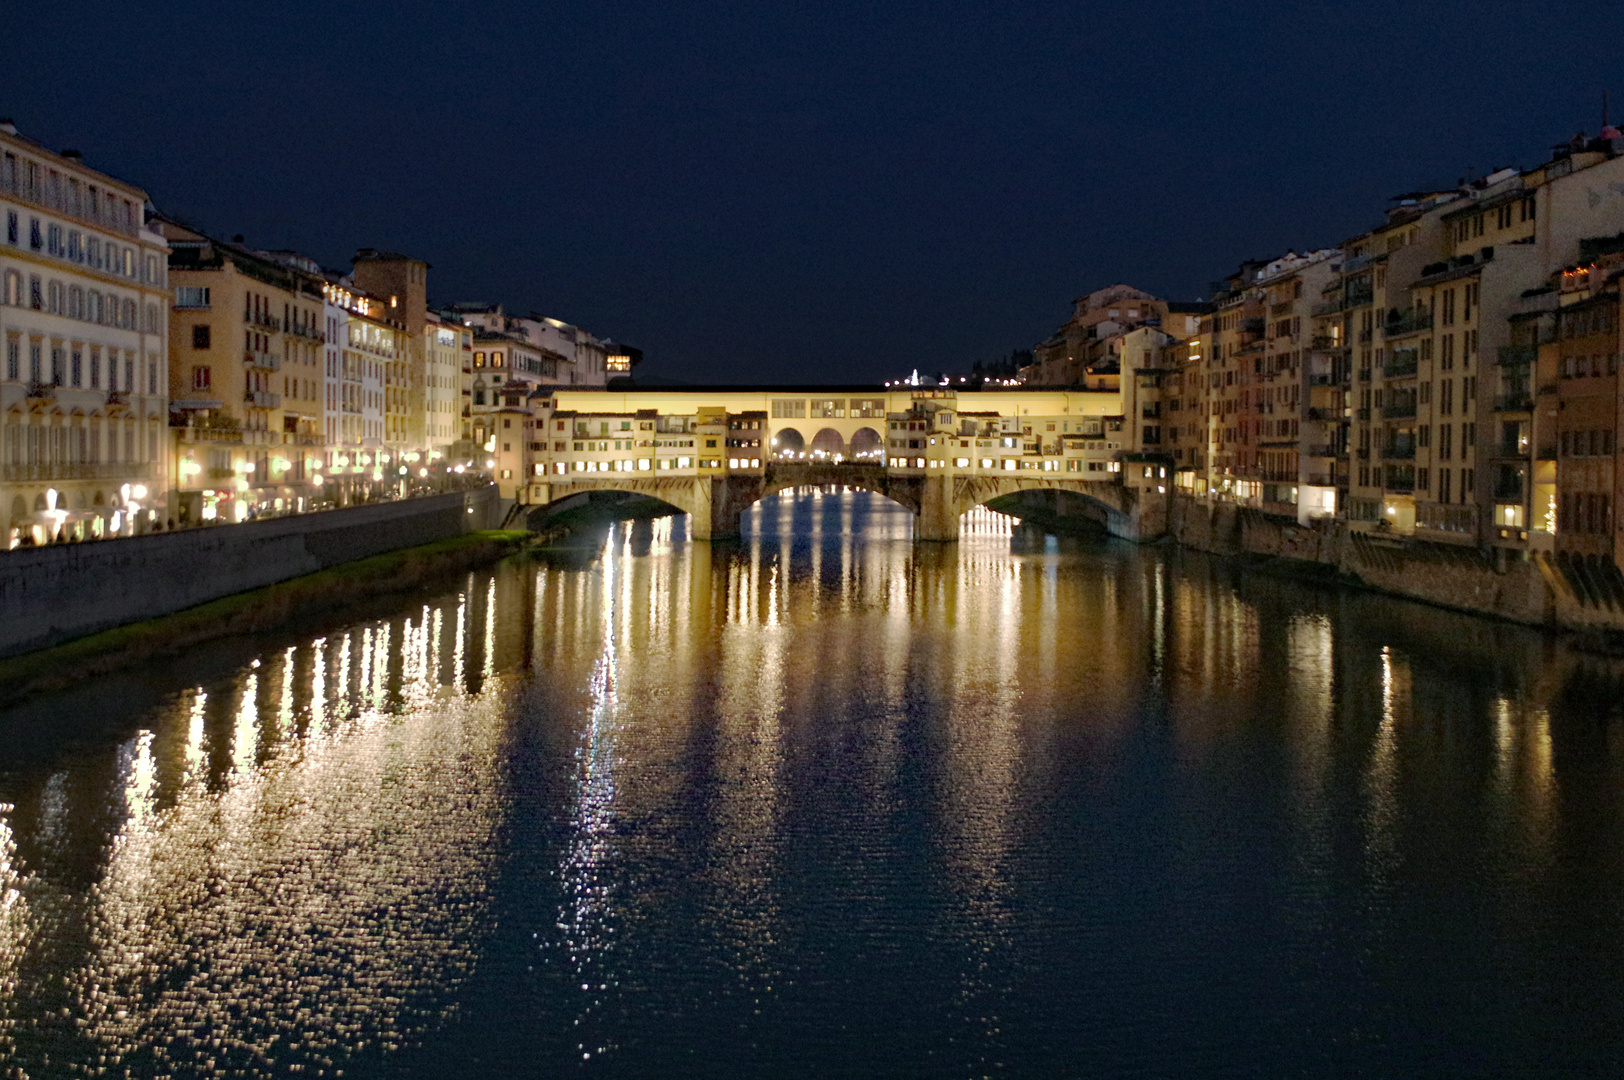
(717, 502)
(610, 500)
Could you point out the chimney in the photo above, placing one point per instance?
(8, 126)
(74, 155)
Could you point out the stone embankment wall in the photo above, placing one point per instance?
(53, 594)
(1539, 590)
(1449, 575)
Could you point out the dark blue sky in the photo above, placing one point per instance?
(816, 191)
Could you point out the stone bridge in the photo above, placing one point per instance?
(716, 503)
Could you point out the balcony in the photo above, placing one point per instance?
(1362, 413)
(127, 470)
(265, 321)
(1322, 380)
(309, 332)
(1400, 480)
(1324, 343)
(1151, 412)
(266, 361)
(1517, 401)
(1399, 451)
(1517, 354)
(1322, 450)
(1253, 325)
(1403, 363)
(262, 399)
(1399, 410)
(1509, 489)
(42, 391)
(1325, 415)
(1514, 450)
(117, 397)
(208, 435)
(1547, 453)
(1320, 479)
(1410, 322)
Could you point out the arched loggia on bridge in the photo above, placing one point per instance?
(827, 445)
(788, 444)
(867, 445)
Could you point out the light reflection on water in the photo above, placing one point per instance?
(827, 802)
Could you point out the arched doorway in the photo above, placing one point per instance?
(827, 445)
(866, 445)
(788, 444)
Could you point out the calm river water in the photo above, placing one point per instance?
(827, 804)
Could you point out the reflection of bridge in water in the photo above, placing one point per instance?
(939, 452)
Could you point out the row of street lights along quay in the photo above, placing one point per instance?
(349, 478)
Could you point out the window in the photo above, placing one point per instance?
(192, 296)
(14, 351)
(200, 377)
(35, 239)
(11, 226)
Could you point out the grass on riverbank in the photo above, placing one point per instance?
(252, 611)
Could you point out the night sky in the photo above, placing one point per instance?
(811, 192)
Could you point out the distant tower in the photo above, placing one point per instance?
(398, 279)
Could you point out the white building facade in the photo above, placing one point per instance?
(83, 350)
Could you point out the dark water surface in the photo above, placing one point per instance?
(827, 804)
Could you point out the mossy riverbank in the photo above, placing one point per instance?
(253, 611)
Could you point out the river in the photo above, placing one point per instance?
(826, 803)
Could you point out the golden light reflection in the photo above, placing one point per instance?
(236, 928)
(291, 865)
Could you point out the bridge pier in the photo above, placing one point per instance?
(936, 519)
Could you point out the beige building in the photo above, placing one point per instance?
(444, 346)
(84, 310)
(365, 351)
